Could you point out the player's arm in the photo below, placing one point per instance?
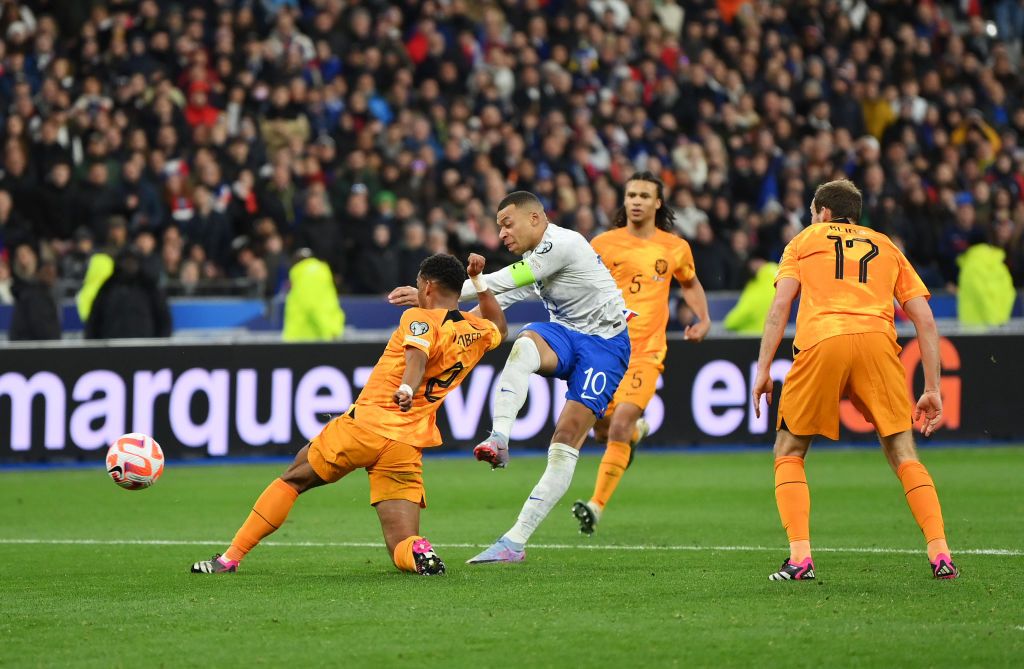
(786, 291)
(420, 337)
(415, 366)
(488, 306)
(696, 299)
(929, 404)
(693, 293)
(510, 282)
(505, 280)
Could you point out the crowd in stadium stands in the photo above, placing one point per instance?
(212, 139)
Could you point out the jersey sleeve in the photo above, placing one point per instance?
(789, 267)
(495, 335)
(418, 330)
(601, 247)
(685, 270)
(908, 284)
(508, 298)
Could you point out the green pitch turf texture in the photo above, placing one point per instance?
(675, 576)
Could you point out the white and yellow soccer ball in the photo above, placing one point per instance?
(135, 461)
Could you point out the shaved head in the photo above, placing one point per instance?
(522, 200)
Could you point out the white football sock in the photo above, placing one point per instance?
(510, 395)
(552, 485)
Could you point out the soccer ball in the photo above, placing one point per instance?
(135, 461)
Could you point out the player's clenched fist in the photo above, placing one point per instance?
(403, 397)
(475, 264)
(403, 401)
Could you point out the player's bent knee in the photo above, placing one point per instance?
(623, 423)
(899, 448)
(302, 478)
(525, 352)
(788, 444)
(300, 475)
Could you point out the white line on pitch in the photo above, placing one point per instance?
(593, 547)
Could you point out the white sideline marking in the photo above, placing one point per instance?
(592, 547)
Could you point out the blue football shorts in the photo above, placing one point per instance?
(591, 365)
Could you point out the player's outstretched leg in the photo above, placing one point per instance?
(618, 456)
(509, 398)
(924, 504)
(268, 513)
(793, 498)
(922, 499)
(552, 485)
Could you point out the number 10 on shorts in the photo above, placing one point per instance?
(595, 382)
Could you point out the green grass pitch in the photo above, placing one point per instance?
(675, 576)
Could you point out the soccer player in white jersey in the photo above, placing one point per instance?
(585, 343)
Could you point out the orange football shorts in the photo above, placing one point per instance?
(863, 366)
(395, 469)
(638, 385)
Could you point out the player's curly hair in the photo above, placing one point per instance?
(446, 270)
(664, 218)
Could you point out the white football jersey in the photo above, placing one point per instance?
(575, 286)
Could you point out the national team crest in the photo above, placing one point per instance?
(418, 328)
(661, 266)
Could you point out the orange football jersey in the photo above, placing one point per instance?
(643, 270)
(454, 342)
(848, 277)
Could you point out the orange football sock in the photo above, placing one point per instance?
(793, 498)
(924, 504)
(403, 554)
(267, 515)
(609, 473)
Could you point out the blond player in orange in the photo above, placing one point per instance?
(847, 276)
(643, 257)
(393, 419)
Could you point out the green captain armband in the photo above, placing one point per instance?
(522, 274)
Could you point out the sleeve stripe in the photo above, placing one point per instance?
(409, 339)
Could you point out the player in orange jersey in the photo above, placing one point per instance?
(846, 276)
(392, 420)
(643, 257)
